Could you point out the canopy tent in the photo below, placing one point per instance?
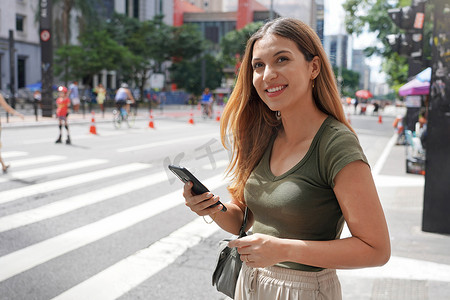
(420, 85)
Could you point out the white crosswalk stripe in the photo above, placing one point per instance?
(57, 184)
(142, 265)
(36, 160)
(29, 257)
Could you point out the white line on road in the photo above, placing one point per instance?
(57, 168)
(34, 255)
(36, 160)
(384, 155)
(135, 269)
(14, 194)
(404, 268)
(9, 154)
(164, 143)
(70, 204)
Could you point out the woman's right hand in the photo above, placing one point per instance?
(200, 204)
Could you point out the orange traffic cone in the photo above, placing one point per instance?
(191, 119)
(93, 129)
(150, 124)
(218, 116)
(380, 119)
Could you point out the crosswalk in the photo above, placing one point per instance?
(55, 175)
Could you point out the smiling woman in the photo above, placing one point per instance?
(293, 155)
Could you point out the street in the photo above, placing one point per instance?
(104, 218)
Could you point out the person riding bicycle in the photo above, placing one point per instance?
(122, 95)
(207, 102)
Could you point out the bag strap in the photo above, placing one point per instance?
(244, 223)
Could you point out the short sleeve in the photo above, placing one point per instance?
(342, 148)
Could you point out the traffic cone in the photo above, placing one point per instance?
(191, 119)
(380, 119)
(150, 124)
(93, 129)
(218, 116)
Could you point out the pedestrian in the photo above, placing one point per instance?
(101, 96)
(62, 113)
(74, 96)
(12, 111)
(298, 166)
(207, 102)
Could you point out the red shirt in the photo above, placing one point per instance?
(62, 106)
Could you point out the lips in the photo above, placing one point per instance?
(275, 91)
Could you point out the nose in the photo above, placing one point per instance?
(269, 73)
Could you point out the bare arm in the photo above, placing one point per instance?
(368, 246)
(8, 108)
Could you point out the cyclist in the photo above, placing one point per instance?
(122, 95)
(207, 102)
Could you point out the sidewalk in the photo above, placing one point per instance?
(419, 268)
(169, 111)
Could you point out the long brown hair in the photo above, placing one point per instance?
(248, 124)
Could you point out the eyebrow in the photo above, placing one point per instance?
(277, 53)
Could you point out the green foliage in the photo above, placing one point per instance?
(187, 74)
(377, 20)
(350, 81)
(96, 52)
(234, 42)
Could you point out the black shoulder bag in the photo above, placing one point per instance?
(228, 264)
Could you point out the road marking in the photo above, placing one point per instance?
(57, 168)
(404, 268)
(135, 269)
(14, 194)
(70, 204)
(384, 155)
(399, 181)
(34, 255)
(164, 143)
(37, 160)
(9, 154)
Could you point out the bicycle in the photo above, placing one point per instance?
(121, 114)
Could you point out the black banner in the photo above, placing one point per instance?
(45, 32)
(436, 208)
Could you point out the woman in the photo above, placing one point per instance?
(297, 164)
(10, 110)
(101, 96)
(62, 113)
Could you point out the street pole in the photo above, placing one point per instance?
(46, 57)
(12, 70)
(271, 10)
(436, 205)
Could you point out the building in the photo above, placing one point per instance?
(362, 68)
(339, 50)
(17, 18)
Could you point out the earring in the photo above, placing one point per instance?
(313, 84)
(278, 115)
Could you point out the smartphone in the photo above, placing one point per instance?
(198, 188)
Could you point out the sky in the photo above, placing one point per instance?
(334, 24)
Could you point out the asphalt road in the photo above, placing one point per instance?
(104, 219)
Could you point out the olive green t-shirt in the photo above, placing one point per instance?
(301, 204)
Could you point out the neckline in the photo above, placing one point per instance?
(304, 159)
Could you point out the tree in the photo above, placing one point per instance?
(234, 42)
(97, 51)
(350, 81)
(187, 74)
(377, 20)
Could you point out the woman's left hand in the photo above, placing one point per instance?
(258, 250)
